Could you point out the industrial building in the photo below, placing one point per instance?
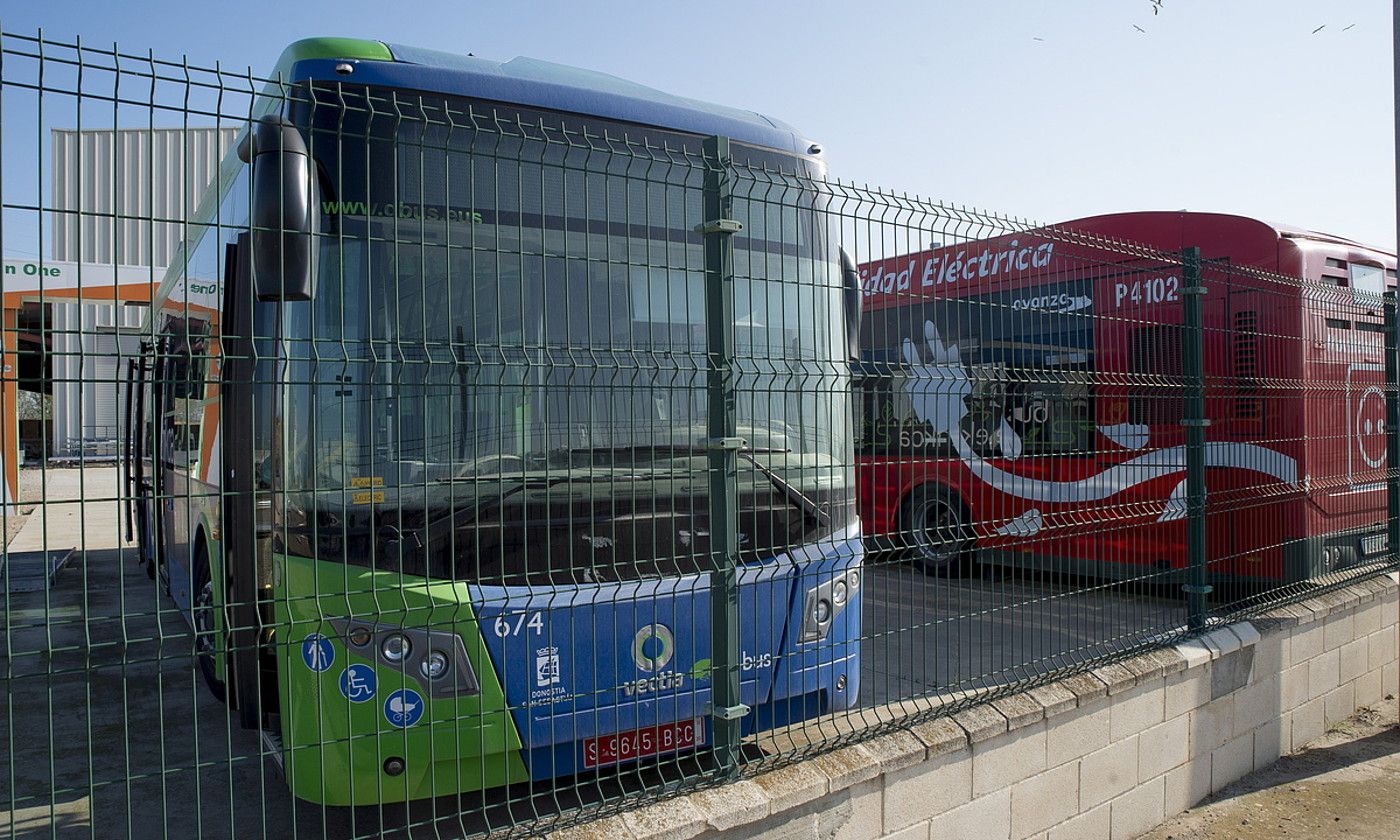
(118, 206)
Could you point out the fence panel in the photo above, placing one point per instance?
(482, 469)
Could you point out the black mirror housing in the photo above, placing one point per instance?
(282, 210)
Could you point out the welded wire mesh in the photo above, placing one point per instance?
(402, 462)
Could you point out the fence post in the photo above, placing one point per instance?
(723, 443)
(1195, 422)
(1392, 404)
(1392, 426)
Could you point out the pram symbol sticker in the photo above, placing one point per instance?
(403, 708)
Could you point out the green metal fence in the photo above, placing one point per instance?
(486, 466)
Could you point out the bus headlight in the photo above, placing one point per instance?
(396, 647)
(360, 635)
(826, 601)
(435, 658)
(838, 592)
(435, 664)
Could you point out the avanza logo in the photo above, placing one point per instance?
(1058, 303)
(950, 267)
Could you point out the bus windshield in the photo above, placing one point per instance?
(500, 313)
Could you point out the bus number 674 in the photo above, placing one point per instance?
(504, 627)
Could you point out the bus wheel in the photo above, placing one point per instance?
(935, 532)
(205, 634)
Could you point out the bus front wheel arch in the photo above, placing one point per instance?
(935, 528)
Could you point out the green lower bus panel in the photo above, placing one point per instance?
(360, 730)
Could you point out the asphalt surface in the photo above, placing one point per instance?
(931, 635)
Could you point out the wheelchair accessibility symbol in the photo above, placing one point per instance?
(358, 683)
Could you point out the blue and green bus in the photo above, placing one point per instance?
(420, 444)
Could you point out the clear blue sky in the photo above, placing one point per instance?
(1046, 109)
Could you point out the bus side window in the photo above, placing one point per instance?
(183, 369)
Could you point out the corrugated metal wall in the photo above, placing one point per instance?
(91, 343)
(109, 186)
(120, 197)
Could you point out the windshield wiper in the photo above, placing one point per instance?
(805, 503)
(808, 505)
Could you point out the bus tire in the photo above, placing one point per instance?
(935, 531)
(202, 611)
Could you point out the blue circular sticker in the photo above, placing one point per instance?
(403, 708)
(317, 652)
(358, 683)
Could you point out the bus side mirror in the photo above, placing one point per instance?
(850, 287)
(281, 213)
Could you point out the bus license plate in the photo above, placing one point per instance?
(1375, 543)
(640, 743)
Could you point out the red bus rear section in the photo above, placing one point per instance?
(1021, 399)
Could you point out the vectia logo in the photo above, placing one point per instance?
(652, 650)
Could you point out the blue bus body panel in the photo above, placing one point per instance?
(540, 84)
(581, 662)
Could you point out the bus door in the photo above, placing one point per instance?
(179, 372)
(135, 484)
(148, 466)
(244, 425)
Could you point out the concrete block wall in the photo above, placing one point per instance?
(1106, 754)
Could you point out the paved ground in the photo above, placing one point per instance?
(927, 634)
(1346, 784)
(31, 486)
(105, 716)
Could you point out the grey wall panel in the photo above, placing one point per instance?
(121, 197)
(124, 196)
(92, 343)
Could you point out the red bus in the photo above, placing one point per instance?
(1021, 399)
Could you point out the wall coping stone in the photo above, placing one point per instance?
(1172, 661)
(1144, 668)
(897, 750)
(941, 736)
(1055, 698)
(731, 805)
(1085, 687)
(1019, 709)
(848, 766)
(981, 723)
(1246, 633)
(793, 785)
(676, 819)
(1115, 677)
